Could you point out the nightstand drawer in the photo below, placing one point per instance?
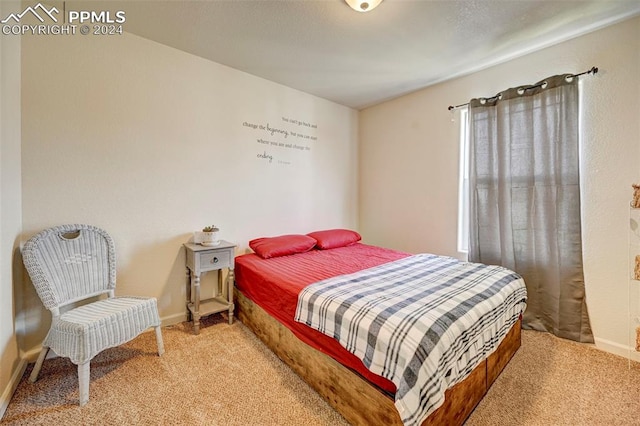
(215, 260)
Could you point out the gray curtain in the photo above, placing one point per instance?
(524, 186)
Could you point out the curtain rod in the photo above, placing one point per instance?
(593, 70)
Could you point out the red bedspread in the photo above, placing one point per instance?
(274, 284)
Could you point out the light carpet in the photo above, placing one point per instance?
(226, 376)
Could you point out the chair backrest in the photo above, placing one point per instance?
(68, 263)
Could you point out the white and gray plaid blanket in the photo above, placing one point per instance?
(423, 322)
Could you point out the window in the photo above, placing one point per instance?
(463, 185)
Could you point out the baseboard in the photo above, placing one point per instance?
(617, 349)
(173, 319)
(32, 354)
(7, 393)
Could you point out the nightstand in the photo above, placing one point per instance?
(200, 260)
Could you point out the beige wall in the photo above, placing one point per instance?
(149, 143)
(11, 365)
(409, 162)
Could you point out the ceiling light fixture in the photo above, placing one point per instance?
(363, 5)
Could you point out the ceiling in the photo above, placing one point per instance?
(356, 59)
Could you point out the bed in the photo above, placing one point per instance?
(269, 297)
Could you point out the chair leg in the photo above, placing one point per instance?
(83, 382)
(36, 368)
(160, 341)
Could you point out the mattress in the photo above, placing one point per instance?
(274, 285)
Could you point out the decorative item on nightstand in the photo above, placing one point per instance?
(210, 236)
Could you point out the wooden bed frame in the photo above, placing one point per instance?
(360, 402)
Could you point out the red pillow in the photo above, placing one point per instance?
(334, 238)
(281, 246)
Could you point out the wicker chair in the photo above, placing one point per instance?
(71, 263)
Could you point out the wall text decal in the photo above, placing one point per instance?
(278, 142)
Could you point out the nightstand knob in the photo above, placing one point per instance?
(214, 260)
